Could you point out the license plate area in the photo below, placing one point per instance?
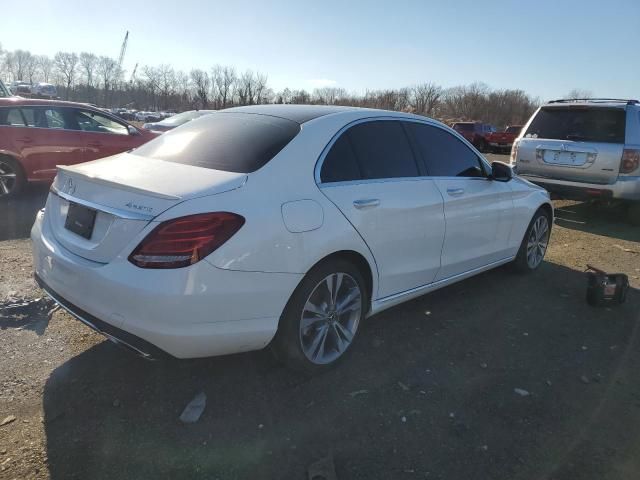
(556, 157)
(80, 220)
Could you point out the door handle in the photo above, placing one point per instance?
(25, 140)
(455, 192)
(366, 203)
(95, 144)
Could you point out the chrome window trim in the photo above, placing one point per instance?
(102, 208)
(426, 121)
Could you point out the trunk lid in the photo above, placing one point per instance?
(126, 192)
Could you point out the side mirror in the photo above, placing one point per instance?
(132, 130)
(501, 172)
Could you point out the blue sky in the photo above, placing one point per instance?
(541, 46)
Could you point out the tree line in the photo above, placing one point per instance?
(86, 77)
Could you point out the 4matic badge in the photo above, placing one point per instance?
(142, 208)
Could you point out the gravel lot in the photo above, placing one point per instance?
(429, 391)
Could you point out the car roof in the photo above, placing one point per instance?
(591, 102)
(21, 101)
(295, 113)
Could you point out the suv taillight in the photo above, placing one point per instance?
(186, 240)
(630, 160)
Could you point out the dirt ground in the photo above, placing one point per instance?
(428, 392)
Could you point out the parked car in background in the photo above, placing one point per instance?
(37, 135)
(503, 141)
(320, 216)
(176, 120)
(476, 133)
(21, 88)
(584, 149)
(45, 90)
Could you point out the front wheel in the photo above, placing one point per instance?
(320, 322)
(534, 244)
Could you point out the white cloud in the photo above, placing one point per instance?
(321, 83)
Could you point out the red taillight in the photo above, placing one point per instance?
(186, 240)
(630, 160)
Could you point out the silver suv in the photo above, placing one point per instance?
(582, 149)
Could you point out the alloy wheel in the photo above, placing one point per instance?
(330, 318)
(8, 178)
(537, 242)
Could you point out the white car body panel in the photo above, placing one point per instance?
(232, 300)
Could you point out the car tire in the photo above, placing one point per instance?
(483, 146)
(633, 213)
(12, 178)
(313, 333)
(534, 244)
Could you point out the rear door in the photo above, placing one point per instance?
(580, 143)
(478, 211)
(102, 135)
(371, 174)
(53, 139)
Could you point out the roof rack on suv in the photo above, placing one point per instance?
(596, 100)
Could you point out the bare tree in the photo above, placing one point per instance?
(424, 98)
(106, 69)
(579, 93)
(45, 67)
(224, 80)
(17, 63)
(202, 86)
(66, 64)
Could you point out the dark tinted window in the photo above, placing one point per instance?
(340, 163)
(515, 130)
(234, 142)
(445, 155)
(579, 124)
(382, 150)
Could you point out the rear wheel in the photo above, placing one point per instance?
(11, 177)
(320, 322)
(534, 244)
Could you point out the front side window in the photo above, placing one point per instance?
(444, 154)
(382, 150)
(94, 122)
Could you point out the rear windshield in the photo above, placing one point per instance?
(463, 127)
(233, 142)
(605, 125)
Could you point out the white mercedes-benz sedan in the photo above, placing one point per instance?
(278, 224)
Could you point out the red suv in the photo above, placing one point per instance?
(476, 133)
(37, 135)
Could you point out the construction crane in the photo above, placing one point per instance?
(123, 50)
(133, 75)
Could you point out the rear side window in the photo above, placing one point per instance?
(444, 154)
(233, 142)
(340, 164)
(580, 124)
(382, 150)
(11, 117)
(463, 127)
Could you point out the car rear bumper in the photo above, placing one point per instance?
(191, 312)
(625, 188)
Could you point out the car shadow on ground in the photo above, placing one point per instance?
(427, 391)
(18, 214)
(599, 219)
